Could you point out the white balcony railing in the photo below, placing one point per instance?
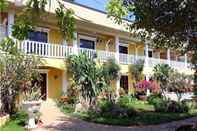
(60, 51)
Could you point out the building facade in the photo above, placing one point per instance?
(95, 34)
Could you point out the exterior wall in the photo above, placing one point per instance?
(54, 83)
(55, 37)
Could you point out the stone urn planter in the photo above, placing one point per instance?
(31, 107)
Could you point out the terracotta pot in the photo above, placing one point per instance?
(143, 97)
(64, 99)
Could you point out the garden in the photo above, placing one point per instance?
(92, 98)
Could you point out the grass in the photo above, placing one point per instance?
(146, 116)
(12, 126)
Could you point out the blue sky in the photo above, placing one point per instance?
(97, 4)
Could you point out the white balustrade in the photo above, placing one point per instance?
(60, 51)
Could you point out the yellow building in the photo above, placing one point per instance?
(95, 34)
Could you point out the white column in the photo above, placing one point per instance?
(146, 54)
(10, 23)
(75, 46)
(117, 58)
(64, 84)
(185, 60)
(168, 56)
(136, 53)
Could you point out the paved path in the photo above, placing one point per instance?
(54, 120)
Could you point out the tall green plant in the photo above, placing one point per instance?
(66, 22)
(161, 74)
(16, 73)
(136, 70)
(86, 75)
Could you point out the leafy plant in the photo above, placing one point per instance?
(86, 75)
(66, 21)
(17, 72)
(161, 74)
(33, 94)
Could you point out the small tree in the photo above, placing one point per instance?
(87, 77)
(16, 73)
(136, 71)
(110, 72)
(161, 74)
(179, 83)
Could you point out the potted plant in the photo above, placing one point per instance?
(31, 104)
(142, 88)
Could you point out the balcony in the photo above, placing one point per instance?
(60, 51)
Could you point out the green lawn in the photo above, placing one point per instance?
(145, 116)
(12, 126)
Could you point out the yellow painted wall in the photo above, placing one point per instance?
(54, 83)
(55, 37)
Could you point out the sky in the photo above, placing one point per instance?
(97, 4)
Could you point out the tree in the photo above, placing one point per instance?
(90, 79)
(167, 23)
(17, 71)
(161, 74)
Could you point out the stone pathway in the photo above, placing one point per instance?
(55, 120)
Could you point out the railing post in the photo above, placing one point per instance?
(75, 46)
(185, 60)
(168, 56)
(146, 54)
(117, 58)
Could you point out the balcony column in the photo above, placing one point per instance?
(168, 56)
(117, 59)
(64, 83)
(185, 60)
(75, 46)
(136, 53)
(146, 54)
(10, 23)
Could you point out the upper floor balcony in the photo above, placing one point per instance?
(58, 51)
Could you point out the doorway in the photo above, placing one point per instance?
(43, 84)
(124, 83)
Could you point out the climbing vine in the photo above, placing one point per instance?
(28, 18)
(66, 22)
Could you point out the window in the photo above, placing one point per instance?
(89, 44)
(123, 49)
(38, 36)
(150, 53)
(124, 83)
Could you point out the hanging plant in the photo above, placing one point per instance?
(66, 22)
(28, 18)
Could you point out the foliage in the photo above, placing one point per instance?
(167, 24)
(89, 78)
(136, 70)
(3, 5)
(66, 22)
(17, 72)
(125, 101)
(147, 116)
(33, 94)
(20, 117)
(28, 18)
(179, 83)
(114, 110)
(162, 105)
(86, 75)
(161, 74)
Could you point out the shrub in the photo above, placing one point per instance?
(125, 101)
(115, 110)
(21, 117)
(152, 98)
